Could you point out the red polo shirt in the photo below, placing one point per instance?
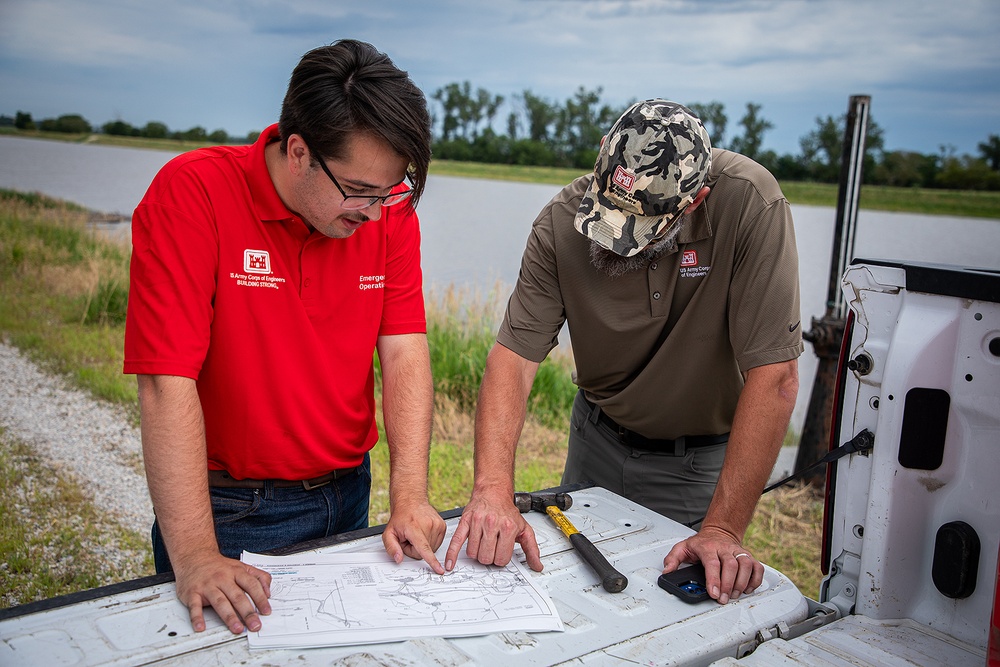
(277, 325)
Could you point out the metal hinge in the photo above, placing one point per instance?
(819, 615)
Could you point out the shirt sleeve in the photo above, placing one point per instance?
(764, 310)
(535, 312)
(172, 278)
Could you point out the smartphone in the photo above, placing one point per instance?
(687, 583)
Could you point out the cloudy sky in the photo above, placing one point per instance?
(932, 69)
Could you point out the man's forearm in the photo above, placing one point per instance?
(414, 529)
(500, 415)
(173, 446)
(490, 522)
(407, 408)
(759, 426)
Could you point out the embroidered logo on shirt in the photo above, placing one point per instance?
(256, 271)
(690, 267)
(623, 178)
(257, 261)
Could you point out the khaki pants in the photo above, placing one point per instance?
(679, 487)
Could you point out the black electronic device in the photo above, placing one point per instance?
(687, 583)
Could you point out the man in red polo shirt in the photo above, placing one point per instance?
(263, 279)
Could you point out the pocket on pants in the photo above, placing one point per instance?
(706, 462)
(234, 504)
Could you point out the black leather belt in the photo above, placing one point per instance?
(222, 479)
(675, 447)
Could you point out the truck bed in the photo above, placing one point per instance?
(859, 641)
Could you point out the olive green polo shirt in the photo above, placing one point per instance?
(663, 350)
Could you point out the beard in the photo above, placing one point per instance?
(614, 265)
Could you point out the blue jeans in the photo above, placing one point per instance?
(260, 520)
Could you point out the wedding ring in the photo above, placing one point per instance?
(739, 555)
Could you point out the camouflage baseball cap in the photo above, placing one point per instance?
(652, 165)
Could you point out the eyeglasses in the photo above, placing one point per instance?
(358, 202)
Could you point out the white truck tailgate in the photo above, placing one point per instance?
(642, 625)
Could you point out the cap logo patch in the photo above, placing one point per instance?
(623, 178)
(689, 258)
(256, 261)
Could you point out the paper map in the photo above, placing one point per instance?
(338, 599)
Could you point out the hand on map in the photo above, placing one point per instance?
(230, 587)
(492, 525)
(730, 571)
(417, 531)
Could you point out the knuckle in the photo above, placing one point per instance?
(490, 522)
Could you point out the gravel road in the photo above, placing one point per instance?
(92, 440)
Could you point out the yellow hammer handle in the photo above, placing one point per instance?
(561, 520)
(612, 580)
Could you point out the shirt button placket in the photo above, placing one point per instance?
(656, 303)
(307, 266)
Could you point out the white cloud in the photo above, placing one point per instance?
(225, 63)
(80, 34)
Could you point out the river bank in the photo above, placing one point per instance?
(923, 201)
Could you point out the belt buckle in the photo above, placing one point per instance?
(680, 446)
(309, 486)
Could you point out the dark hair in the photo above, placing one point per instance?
(350, 86)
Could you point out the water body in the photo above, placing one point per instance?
(474, 230)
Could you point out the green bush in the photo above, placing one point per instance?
(108, 303)
(68, 124)
(461, 331)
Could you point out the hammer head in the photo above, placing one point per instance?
(527, 502)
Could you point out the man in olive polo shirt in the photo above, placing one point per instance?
(675, 267)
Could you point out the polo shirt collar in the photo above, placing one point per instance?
(266, 201)
(697, 227)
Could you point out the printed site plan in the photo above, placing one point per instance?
(361, 598)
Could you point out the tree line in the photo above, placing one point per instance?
(77, 124)
(547, 132)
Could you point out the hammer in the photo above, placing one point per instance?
(553, 504)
